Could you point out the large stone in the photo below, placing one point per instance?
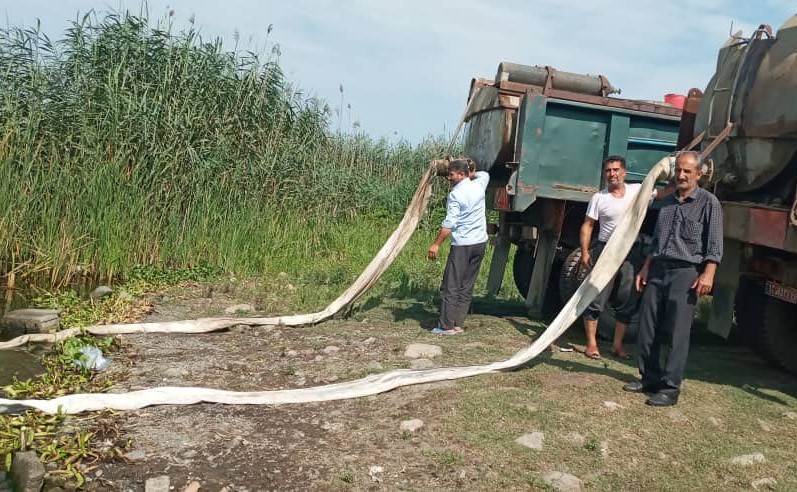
(413, 425)
(21, 321)
(422, 351)
(100, 292)
(768, 483)
(27, 472)
(157, 484)
(562, 482)
(533, 440)
(748, 459)
(575, 439)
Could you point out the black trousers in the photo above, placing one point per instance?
(456, 290)
(666, 313)
(623, 313)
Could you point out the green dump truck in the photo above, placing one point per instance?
(543, 135)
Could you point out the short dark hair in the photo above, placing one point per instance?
(614, 158)
(460, 166)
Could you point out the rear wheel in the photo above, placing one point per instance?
(767, 324)
(574, 273)
(522, 268)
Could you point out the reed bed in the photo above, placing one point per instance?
(127, 142)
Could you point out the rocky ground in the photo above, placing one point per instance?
(559, 424)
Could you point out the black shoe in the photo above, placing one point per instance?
(662, 400)
(639, 387)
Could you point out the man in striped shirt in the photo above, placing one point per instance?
(687, 247)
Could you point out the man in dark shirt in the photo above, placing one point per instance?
(687, 246)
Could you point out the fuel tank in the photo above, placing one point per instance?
(754, 89)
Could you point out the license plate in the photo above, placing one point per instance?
(780, 292)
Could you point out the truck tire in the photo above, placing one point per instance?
(523, 266)
(573, 273)
(767, 325)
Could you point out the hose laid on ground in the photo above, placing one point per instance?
(615, 251)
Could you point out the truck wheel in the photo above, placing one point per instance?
(573, 273)
(767, 325)
(778, 338)
(523, 266)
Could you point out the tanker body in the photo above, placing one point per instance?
(749, 112)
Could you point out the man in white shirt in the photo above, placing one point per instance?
(466, 224)
(606, 207)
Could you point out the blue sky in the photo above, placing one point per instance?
(405, 66)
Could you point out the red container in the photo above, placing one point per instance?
(675, 100)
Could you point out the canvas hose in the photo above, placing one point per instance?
(607, 265)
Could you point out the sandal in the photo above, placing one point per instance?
(437, 330)
(621, 355)
(593, 355)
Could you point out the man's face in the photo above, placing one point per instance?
(454, 177)
(614, 173)
(687, 173)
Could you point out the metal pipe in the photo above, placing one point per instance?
(596, 85)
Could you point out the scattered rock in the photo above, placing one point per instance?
(291, 353)
(533, 440)
(21, 321)
(604, 449)
(764, 426)
(100, 292)
(157, 484)
(768, 483)
(562, 482)
(192, 487)
(374, 366)
(612, 405)
(374, 472)
(27, 472)
(239, 308)
(575, 439)
(422, 364)
(714, 421)
(136, 455)
(748, 459)
(175, 373)
(332, 426)
(332, 349)
(790, 415)
(422, 350)
(411, 425)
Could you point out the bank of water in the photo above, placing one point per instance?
(19, 363)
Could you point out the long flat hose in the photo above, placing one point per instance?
(615, 251)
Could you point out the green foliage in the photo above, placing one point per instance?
(141, 145)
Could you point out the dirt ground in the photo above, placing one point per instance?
(733, 406)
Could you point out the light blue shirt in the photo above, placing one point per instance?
(465, 211)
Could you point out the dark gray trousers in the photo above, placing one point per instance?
(667, 310)
(623, 313)
(456, 290)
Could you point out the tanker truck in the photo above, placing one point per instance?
(542, 135)
(748, 112)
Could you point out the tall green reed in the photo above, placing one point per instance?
(125, 142)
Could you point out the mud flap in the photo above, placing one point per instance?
(726, 282)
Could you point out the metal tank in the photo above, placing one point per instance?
(754, 90)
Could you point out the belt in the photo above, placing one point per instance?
(668, 263)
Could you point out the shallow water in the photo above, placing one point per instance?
(19, 363)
